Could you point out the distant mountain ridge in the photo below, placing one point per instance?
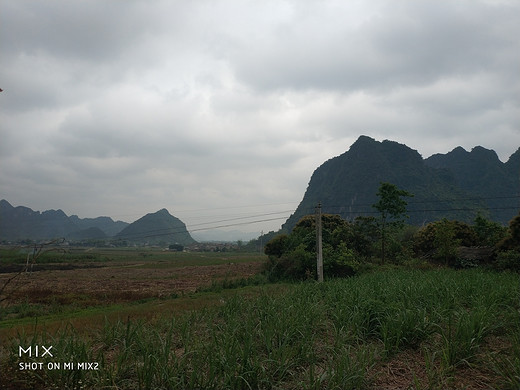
(455, 185)
(20, 223)
(106, 224)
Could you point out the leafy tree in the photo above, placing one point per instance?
(364, 234)
(392, 211)
(428, 238)
(277, 246)
(293, 256)
(489, 233)
(297, 264)
(512, 240)
(508, 256)
(445, 242)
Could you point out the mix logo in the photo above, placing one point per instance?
(36, 351)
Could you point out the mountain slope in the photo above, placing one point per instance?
(483, 175)
(106, 224)
(347, 184)
(512, 166)
(17, 223)
(154, 228)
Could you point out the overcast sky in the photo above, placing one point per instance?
(218, 110)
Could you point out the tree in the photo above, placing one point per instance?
(276, 246)
(427, 238)
(176, 247)
(512, 240)
(445, 242)
(489, 233)
(293, 256)
(392, 211)
(364, 235)
(508, 256)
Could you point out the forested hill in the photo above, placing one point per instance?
(155, 228)
(347, 184)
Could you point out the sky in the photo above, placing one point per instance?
(220, 111)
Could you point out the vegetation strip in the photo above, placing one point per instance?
(330, 335)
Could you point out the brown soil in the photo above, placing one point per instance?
(121, 283)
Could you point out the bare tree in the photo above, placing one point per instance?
(14, 282)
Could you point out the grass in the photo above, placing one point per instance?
(150, 257)
(334, 335)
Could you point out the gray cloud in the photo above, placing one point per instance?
(124, 107)
(409, 43)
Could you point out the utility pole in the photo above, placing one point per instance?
(319, 247)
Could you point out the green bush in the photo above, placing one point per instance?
(508, 260)
(297, 264)
(512, 239)
(293, 256)
(428, 238)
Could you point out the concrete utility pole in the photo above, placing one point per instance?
(319, 247)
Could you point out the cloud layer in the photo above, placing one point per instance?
(225, 108)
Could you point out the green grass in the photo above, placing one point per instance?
(159, 260)
(311, 336)
(151, 257)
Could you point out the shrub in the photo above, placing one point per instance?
(340, 261)
(296, 264)
(489, 233)
(293, 256)
(509, 260)
(429, 239)
(512, 239)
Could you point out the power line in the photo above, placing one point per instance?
(239, 224)
(170, 231)
(359, 209)
(445, 200)
(238, 218)
(173, 231)
(344, 209)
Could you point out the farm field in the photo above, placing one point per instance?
(153, 320)
(90, 278)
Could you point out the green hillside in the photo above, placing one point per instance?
(155, 228)
(347, 184)
(483, 175)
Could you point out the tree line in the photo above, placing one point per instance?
(349, 247)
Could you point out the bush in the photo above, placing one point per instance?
(340, 261)
(508, 260)
(297, 264)
(277, 246)
(425, 237)
(293, 256)
(489, 233)
(512, 239)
